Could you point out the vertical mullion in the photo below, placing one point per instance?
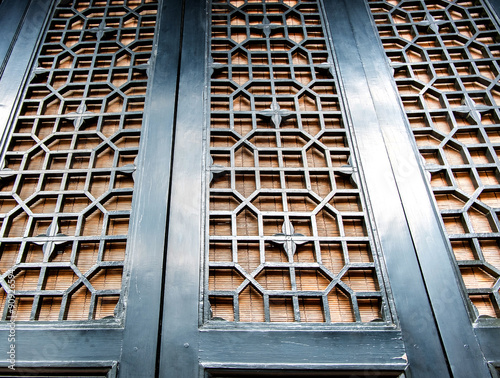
(179, 338)
(348, 23)
(147, 239)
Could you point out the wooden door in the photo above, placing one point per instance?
(235, 188)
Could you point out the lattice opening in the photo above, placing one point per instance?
(479, 220)
(275, 279)
(463, 250)
(222, 308)
(332, 257)
(484, 305)
(491, 252)
(310, 280)
(114, 251)
(269, 203)
(340, 307)
(369, 309)
(477, 278)
(248, 256)
(59, 279)
(49, 309)
(281, 310)
(22, 309)
(449, 202)
(361, 280)
(251, 305)
(27, 280)
(105, 306)
(220, 252)
(327, 224)
(224, 280)
(247, 224)
(359, 253)
(107, 279)
(311, 310)
(465, 182)
(87, 256)
(79, 304)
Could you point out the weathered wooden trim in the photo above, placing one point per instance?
(179, 345)
(495, 5)
(294, 349)
(12, 13)
(52, 346)
(146, 248)
(488, 339)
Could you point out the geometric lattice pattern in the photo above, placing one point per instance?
(289, 239)
(445, 60)
(68, 164)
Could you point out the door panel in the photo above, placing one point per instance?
(266, 60)
(73, 102)
(448, 92)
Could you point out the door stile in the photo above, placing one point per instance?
(147, 245)
(12, 14)
(178, 356)
(488, 330)
(495, 5)
(86, 347)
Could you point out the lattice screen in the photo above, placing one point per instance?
(67, 177)
(289, 239)
(445, 57)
